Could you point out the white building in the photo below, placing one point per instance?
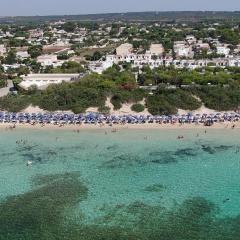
(223, 49)
(191, 39)
(129, 58)
(41, 81)
(100, 66)
(234, 62)
(140, 60)
(6, 67)
(181, 49)
(22, 55)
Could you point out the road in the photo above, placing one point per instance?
(6, 90)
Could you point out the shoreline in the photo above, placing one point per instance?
(116, 127)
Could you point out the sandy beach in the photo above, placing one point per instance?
(126, 109)
(116, 127)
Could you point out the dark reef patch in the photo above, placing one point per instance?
(186, 152)
(32, 157)
(112, 147)
(39, 214)
(213, 149)
(165, 160)
(164, 157)
(208, 149)
(194, 219)
(169, 157)
(123, 160)
(157, 154)
(155, 188)
(43, 154)
(71, 148)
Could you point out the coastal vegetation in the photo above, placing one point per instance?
(219, 98)
(3, 79)
(175, 90)
(168, 101)
(91, 91)
(180, 77)
(67, 67)
(15, 103)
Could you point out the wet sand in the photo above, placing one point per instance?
(116, 127)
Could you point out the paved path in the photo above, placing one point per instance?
(6, 90)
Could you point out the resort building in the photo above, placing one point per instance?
(154, 57)
(140, 60)
(42, 81)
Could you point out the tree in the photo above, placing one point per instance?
(23, 70)
(229, 36)
(35, 66)
(11, 58)
(69, 26)
(1, 69)
(96, 56)
(35, 51)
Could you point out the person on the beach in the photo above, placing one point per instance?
(180, 137)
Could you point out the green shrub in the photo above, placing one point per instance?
(2, 83)
(158, 105)
(137, 107)
(116, 102)
(15, 103)
(182, 99)
(219, 98)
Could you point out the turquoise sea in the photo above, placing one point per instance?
(132, 184)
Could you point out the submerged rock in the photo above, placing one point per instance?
(165, 160)
(39, 213)
(186, 152)
(155, 188)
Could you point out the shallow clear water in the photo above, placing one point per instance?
(119, 169)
